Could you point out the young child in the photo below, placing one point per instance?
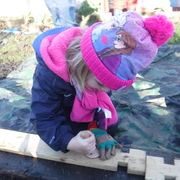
(76, 69)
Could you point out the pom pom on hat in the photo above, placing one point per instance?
(160, 28)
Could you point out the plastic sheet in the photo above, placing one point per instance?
(149, 111)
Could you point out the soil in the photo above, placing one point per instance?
(11, 56)
(16, 46)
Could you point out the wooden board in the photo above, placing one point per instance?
(157, 170)
(136, 160)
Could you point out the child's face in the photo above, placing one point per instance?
(93, 84)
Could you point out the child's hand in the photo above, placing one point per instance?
(105, 143)
(81, 144)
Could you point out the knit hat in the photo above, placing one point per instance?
(116, 50)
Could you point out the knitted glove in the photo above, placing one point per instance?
(105, 143)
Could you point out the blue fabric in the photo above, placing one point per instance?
(174, 3)
(51, 104)
(52, 100)
(37, 42)
(63, 12)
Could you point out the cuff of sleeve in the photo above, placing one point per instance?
(92, 125)
(64, 143)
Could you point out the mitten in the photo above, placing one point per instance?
(105, 143)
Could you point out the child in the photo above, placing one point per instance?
(78, 66)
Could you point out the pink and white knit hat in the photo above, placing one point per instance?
(115, 51)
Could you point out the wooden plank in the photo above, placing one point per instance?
(31, 145)
(136, 160)
(136, 164)
(157, 170)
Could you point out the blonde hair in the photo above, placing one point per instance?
(77, 68)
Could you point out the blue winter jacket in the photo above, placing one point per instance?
(52, 101)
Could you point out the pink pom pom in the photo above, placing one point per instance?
(160, 28)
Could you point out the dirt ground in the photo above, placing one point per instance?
(11, 58)
(15, 46)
